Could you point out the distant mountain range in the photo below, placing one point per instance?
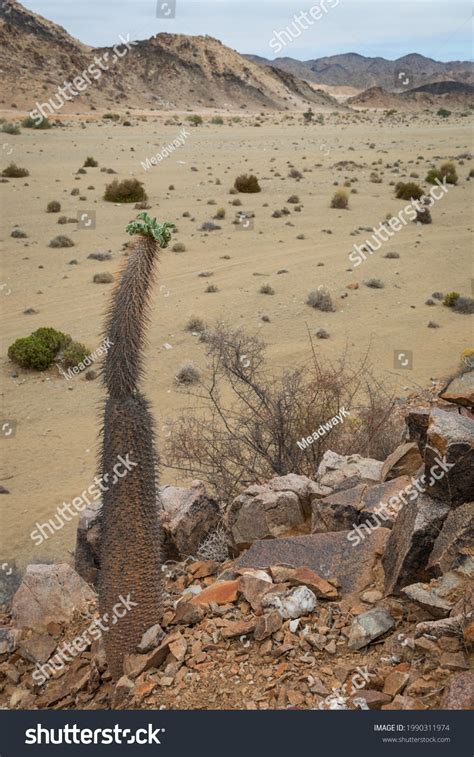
(354, 70)
(180, 72)
(168, 71)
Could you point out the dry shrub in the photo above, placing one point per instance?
(244, 422)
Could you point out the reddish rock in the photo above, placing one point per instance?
(307, 577)
(459, 692)
(460, 390)
(38, 648)
(330, 555)
(254, 589)
(404, 461)
(404, 703)
(233, 628)
(395, 682)
(373, 699)
(267, 624)
(187, 614)
(221, 592)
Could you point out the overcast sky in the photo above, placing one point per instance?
(440, 29)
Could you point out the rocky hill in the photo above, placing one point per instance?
(349, 590)
(432, 97)
(165, 72)
(352, 69)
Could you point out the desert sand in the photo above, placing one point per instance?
(52, 457)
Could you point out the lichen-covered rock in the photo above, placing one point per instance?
(450, 450)
(188, 516)
(411, 541)
(49, 593)
(454, 542)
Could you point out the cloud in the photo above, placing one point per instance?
(386, 28)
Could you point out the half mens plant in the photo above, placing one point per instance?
(130, 548)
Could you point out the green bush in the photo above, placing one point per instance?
(29, 352)
(52, 339)
(111, 116)
(450, 299)
(247, 184)
(75, 354)
(447, 171)
(217, 120)
(90, 163)
(13, 129)
(195, 120)
(33, 123)
(128, 190)
(408, 191)
(14, 172)
(443, 113)
(53, 207)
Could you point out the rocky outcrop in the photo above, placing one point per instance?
(188, 516)
(406, 460)
(460, 390)
(450, 450)
(329, 555)
(454, 542)
(49, 594)
(334, 470)
(365, 503)
(411, 541)
(281, 508)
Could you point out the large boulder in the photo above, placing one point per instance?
(188, 516)
(50, 593)
(334, 469)
(330, 555)
(460, 390)
(449, 456)
(281, 508)
(411, 541)
(406, 460)
(369, 504)
(440, 595)
(454, 542)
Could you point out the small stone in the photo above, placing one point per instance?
(150, 639)
(267, 625)
(221, 592)
(187, 614)
(372, 596)
(369, 626)
(453, 661)
(395, 683)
